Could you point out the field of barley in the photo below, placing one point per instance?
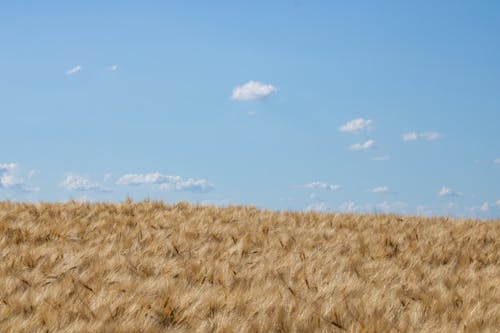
(153, 267)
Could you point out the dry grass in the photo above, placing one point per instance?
(151, 267)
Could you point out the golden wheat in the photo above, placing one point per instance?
(153, 267)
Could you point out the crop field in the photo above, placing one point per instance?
(154, 267)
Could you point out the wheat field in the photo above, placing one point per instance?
(153, 267)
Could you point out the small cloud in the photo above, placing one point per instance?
(83, 199)
(412, 136)
(140, 179)
(188, 185)
(75, 182)
(31, 174)
(424, 211)
(318, 207)
(426, 136)
(349, 207)
(7, 174)
(323, 186)
(497, 203)
(166, 182)
(252, 90)
(497, 160)
(398, 207)
(113, 68)
(381, 158)
(73, 70)
(448, 192)
(107, 177)
(430, 136)
(484, 208)
(9, 178)
(224, 202)
(380, 189)
(251, 114)
(370, 144)
(356, 125)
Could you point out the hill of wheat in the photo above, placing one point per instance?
(153, 267)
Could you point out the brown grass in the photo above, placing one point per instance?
(152, 267)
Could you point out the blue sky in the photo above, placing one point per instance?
(327, 105)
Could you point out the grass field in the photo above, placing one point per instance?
(153, 267)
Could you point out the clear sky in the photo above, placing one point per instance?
(376, 106)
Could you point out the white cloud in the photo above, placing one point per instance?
(370, 144)
(75, 182)
(397, 207)
(497, 161)
(430, 136)
(113, 68)
(83, 199)
(189, 185)
(252, 90)
(356, 125)
(73, 70)
(426, 136)
(10, 180)
(318, 207)
(424, 211)
(402, 208)
(380, 189)
(166, 182)
(107, 177)
(484, 207)
(223, 202)
(31, 174)
(475, 210)
(349, 207)
(6, 174)
(381, 158)
(139, 179)
(448, 192)
(323, 186)
(455, 210)
(412, 136)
